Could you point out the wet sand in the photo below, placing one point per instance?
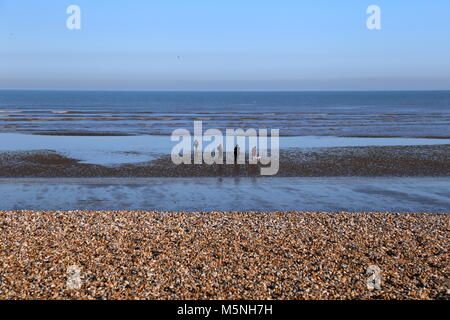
(319, 162)
(194, 194)
(245, 255)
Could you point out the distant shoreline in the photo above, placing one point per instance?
(119, 134)
(224, 90)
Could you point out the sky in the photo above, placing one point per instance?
(225, 45)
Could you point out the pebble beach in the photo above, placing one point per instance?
(223, 255)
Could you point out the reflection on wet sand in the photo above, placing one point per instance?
(406, 194)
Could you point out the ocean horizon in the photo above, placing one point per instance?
(307, 113)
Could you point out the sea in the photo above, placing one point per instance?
(119, 127)
(343, 114)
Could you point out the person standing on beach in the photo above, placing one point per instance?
(197, 156)
(254, 152)
(220, 150)
(236, 153)
(196, 146)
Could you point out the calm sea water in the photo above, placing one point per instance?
(360, 114)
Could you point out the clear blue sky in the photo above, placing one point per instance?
(228, 44)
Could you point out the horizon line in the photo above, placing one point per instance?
(225, 90)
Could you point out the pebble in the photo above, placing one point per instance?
(222, 255)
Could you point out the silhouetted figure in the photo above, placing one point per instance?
(236, 153)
